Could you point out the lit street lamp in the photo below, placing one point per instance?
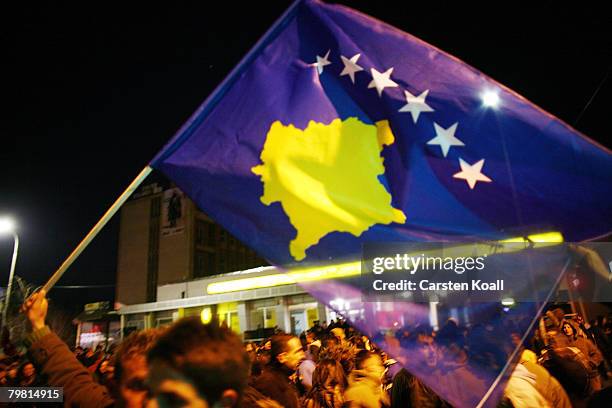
(7, 226)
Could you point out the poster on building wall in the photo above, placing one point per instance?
(173, 212)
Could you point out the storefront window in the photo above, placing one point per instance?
(228, 314)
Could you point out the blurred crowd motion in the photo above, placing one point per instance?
(331, 365)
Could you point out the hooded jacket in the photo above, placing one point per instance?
(521, 390)
(548, 385)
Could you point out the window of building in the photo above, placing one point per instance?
(163, 321)
(200, 233)
(210, 263)
(212, 234)
(192, 311)
(199, 264)
(204, 264)
(222, 264)
(227, 313)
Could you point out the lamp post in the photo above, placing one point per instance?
(7, 226)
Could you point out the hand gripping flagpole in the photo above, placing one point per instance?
(96, 229)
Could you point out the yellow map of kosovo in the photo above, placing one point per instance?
(326, 178)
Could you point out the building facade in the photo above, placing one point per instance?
(169, 252)
(287, 307)
(164, 238)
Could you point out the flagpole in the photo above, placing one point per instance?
(97, 228)
(174, 142)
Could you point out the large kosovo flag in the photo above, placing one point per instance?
(337, 129)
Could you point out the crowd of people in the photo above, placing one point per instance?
(330, 366)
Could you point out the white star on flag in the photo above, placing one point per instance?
(321, 62)
(471, 173)
(350, 66)
(445, 138)
(416, 104)
(381, 81)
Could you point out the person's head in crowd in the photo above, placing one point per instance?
(357, 342)
(558, 313)
(313, 351)
(26, 373)
(198, 365)
(450, 333)
(568, 329)
(404, 332)
(262, 358)
(263, 355)
(131, 369)
(369, 362)
(329, 384)
(12, 373)
(392, 346)
(286, 350)
(339, 334)
(330, 341)
(329, 375)
(251, 350)
(344, 355)
(366, 380)
(27, 369)
(451, 342)
(427, 353)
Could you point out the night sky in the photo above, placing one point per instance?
(92, 91)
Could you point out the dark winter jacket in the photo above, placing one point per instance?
(274, 383)
(62, 369)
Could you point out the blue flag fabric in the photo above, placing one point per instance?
(338, 129)
(476, 346)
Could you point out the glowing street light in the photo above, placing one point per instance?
(7, 226)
